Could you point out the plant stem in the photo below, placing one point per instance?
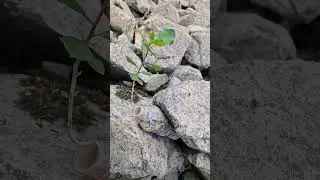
(132, 90)
(76, 74)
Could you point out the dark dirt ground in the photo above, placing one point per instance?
(46, 98)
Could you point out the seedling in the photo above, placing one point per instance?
(163, 38)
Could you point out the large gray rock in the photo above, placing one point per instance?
(187, 73)
(186, 105)
(168, 11)
(198, 53)
(245, 36)
(152, 119)
(199, 12)
(134, 152)
(265, 120)
(122, 19)
(155, 81)
(301, 11)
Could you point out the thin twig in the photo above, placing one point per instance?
(72, 91)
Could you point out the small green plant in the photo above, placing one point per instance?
(163, 38)
(80, 50)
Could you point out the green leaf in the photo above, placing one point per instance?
(77, 48)
(131, 61)
(167, 35)
(146, 73)
(152, 35)
(156, 68)
(73, 5)
(159, 42)
(97, 65)
(135, 77)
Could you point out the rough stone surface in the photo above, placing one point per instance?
(265, 120)
(155, 81)
(122, 18)
(198, 52)
(152, 119)
(168, 11)
(246, 36)
(187, 73)
(141, 6)
(174, 81)
(136, 153)
(187, 106)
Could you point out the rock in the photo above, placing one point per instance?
(265, 120)
(123, 40)
(134, 152)
(199, 12)
(186, 105)
(190, 16)
(177, 3)
(202, 162)
(141, 6)
(198, 53)
(206, 9)
(122, 18)
(187, 73)
(151, 119)
(168, 11)
(168, 57)
(113, 37)
(174, 81)
(244, 36)
(155, 81)
(301, 11)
